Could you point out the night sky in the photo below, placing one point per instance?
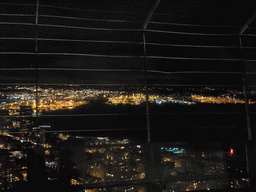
(176, 57)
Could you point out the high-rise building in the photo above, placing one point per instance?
(25, 121)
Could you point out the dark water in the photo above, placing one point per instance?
(168, 122)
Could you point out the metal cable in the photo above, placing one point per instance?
(129, 84)
(124, 21)
(136, 30)
(124, 70)
(126, 56)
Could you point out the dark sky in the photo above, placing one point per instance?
(183, 12)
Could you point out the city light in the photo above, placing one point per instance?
(231, 151)
(69, 99)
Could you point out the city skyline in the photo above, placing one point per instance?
(132, 96)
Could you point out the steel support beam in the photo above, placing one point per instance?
(36, 34)
(153, 165)
(150, 14)
(248, 22)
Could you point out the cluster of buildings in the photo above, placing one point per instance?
(182, 169)
(104, 159)
(70, 97)
(12, 166)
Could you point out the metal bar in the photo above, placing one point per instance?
(17, 15)
(75, 40)
(95, 55)
(91, 10)
(150, 149)
(247, 161)
(248, 22)
(194, 46)
(18, 53)
(89, 41)
(193, 25)
(67, 26)
(36, 34)
(131, 84)
(121, 114)
(16, 38)
(150, 15)
(146, 80)
(108, 29)
(133, 129)
(125, 42)
(12, 23)
(124, 70)
(86, 130)
(105, 20)
(76, 54)
(246, 112)
(124, 114)
(124, 56)
(187, 58)
(88, 19)
(245, 93)
(72, 69)
(187, 33)
(36, 24)
(17, 4)
(87, 28)
(75, 9)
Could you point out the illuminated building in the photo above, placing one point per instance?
(25, 120)
(8, 168)
(124, 163)
(96, 169)
(76, 181)
(95, 150)
(239, 183)
(185, 162)
(5, 122)
(63, 137)
(114, 159)
(42, 132)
